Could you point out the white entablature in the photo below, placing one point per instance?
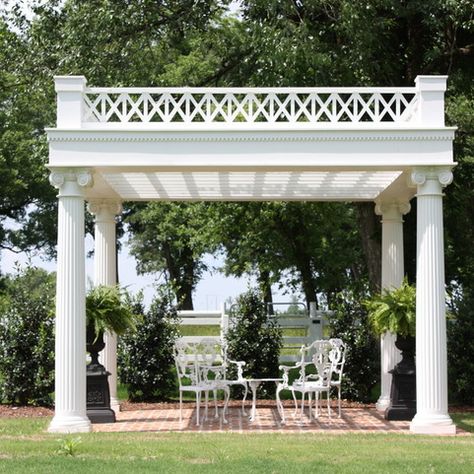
(341, 144)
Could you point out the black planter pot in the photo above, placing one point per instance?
(98, 392)
(403, 389)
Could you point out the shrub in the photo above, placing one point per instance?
(108, 310)
(362, 368)
(461, 349)
(145, 358)
(254, 338)
(27, 338)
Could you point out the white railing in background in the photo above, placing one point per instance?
(317, 106)
(313, 328)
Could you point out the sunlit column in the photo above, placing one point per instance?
(392, 276)
(105, 273)
(70, 343)
(431, 351)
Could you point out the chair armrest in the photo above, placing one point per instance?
(240, 364)
(286, 371)
(289, 367)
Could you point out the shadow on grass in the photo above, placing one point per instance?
(465, 421)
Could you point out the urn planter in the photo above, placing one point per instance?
(403, 390)
(98, 393)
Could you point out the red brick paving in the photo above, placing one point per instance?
(366, 420)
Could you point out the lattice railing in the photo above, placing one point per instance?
(284, 105)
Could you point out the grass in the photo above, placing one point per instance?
(25, 448)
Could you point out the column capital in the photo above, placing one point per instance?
(392, 210)
(71, 182)
(431, 179)
(104, 210)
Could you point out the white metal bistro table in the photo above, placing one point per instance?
(254, 384)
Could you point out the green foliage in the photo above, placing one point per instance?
(393, 310)
(255, 338)
(168, 237)
(145, 357)
(68, 446)
(26, 338)
(461, 349)
(107, 310)
(362, 368)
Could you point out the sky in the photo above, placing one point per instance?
(211, 292)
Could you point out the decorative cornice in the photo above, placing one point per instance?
(71, 182)
(93, 137)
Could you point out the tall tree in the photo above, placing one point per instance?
(167, 238)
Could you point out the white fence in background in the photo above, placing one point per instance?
(312, 326)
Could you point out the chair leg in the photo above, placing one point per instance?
(310, 398)
(198, 403)
(226, 403)
(180, 406)
(317, 404)
(215, 404)
(296, 402)
(280, 405)
(302, 405)
(329, 405)
(339, 399)
(206, 403)
(244, 413)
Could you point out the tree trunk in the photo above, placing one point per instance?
(181, 281)
(369, 229)
(266, 289)
(307, 281)
(184, 296)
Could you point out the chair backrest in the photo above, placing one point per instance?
(321, 359)
(186, 362)
(193, 359)
(209, 352)
(338, 357)
(307, 352)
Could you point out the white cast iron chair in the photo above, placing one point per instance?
(240, 380)
(318, 353)
(194, 364)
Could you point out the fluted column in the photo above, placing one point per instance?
(105, 273)
(392, 276)
(431, 352)
(70, 343)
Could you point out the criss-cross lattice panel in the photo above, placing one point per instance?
(249, 106)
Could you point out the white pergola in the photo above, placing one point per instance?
(385, 145)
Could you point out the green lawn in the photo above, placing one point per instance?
(25, 447)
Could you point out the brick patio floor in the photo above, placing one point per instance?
(366, 420)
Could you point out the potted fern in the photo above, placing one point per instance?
(395, 311)
(106, 310)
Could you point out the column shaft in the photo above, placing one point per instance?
(105, 273)
(392, 276)
(431, 352)
(70, 343)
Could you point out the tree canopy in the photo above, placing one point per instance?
(318, 248)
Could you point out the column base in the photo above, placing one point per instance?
(70, 424)
(382, 404)
(433, 425)
(115, 404)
